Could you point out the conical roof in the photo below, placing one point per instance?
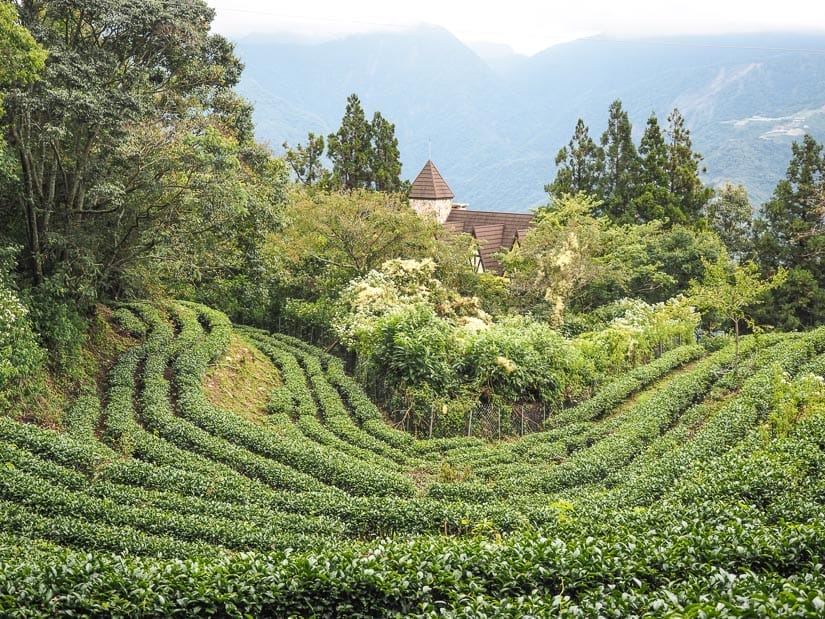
(429, 185)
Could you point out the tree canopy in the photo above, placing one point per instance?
(133, 126)
(790, 234)
(659, 180)
(364, 154)
(22, 58)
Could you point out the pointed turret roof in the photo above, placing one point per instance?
(429, 185)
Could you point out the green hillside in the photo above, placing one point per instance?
(686, 487)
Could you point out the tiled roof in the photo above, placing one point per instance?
(494, 231)
(429, 185)
(490, 240)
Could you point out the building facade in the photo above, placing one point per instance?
(494, 232)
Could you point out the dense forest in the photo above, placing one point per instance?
(232, 383)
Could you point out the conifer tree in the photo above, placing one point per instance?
(790, 234)
(349, 148)
(580, 165)
(621, 166)
(306, 161)
(653, 198)
(385, 164)
(688, 191)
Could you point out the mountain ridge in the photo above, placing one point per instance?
(493, 127)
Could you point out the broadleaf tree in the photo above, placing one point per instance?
(129, 90)
(730, 214)
(730, 290)
(22, 58)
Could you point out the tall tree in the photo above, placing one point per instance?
(350, 148)
(621, 166)
(652, 195)
(123, 82)
(580, 165)
(791, 220)
(385, 164)
(790, 234)
(307, 161)
(686, 188)
(730, 215)
(559, 256)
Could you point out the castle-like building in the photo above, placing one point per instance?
(494, 232)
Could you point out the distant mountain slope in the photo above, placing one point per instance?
(493, 129)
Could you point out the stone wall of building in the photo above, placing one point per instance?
(439, 209)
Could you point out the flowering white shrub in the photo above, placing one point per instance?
(398, 285)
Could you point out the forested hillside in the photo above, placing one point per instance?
(494, 133)
(236, 384)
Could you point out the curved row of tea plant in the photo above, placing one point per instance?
(307, 457)
(699, 492)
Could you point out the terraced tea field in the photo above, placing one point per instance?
(688, 487)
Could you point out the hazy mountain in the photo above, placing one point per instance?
(493, 120)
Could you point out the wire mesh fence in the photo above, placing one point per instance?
(493, 421)
(484, 420)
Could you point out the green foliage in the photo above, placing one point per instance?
(364, 154)
(385, 165)
(350, 150)
(580, 165)
(23, 58)
(60, 320)
(687, 192)
(559, 256)
(329, 239)
(573, 261)
(659, 181)
(412, 348)
(21, 357)
(731, 289)
(520, 359)
(306, 161)
(628, 503)
(621, 166)
(730, 215)
(653, 199)
(789, 234)
(638, 333)
(399, 284)
(132, 149)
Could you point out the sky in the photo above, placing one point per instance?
(528, 26)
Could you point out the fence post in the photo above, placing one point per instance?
(470, 423)
(499, 422)
(432, 414)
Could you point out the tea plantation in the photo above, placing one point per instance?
(693, 486)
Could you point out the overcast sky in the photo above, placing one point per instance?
(528, 26)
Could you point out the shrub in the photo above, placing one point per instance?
(20, 355)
